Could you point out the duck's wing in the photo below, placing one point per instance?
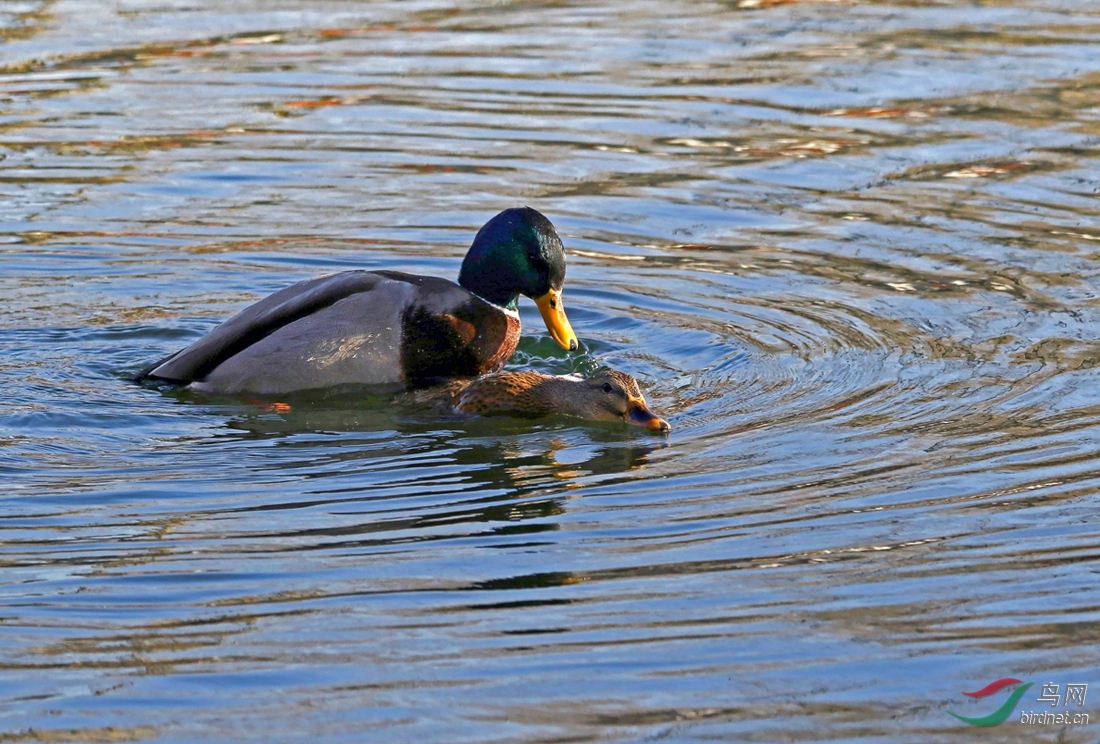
(353, 328)
(258, 322)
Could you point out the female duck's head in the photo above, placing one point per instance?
(611, 396)
(519, 252)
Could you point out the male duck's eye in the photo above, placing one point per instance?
(607, 387)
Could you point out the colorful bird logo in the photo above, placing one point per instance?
(1001, 713)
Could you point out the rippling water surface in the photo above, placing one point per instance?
(850, 248)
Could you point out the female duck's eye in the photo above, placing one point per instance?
(607, 387)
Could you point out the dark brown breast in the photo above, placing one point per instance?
(498, 341)
(473, 339)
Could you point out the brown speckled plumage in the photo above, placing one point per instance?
(605, 396)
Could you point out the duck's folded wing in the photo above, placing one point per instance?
(257, 322)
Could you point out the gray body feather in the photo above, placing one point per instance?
(341, 329)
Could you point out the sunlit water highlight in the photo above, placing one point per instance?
(851, 250)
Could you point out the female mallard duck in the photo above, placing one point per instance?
(605, 396)
(379, 327)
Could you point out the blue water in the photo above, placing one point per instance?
(850, 250)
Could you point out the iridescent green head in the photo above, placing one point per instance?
(519, 252)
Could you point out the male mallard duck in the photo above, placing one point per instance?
(605, 396)
(378, 327)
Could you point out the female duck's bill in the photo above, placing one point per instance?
(387, 327)
(640, 415)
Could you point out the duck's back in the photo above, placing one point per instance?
(352, 328)
(504, 393)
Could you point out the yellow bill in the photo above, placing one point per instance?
(553, 314)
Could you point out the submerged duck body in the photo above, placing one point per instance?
(605, 396)
(386, 327)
